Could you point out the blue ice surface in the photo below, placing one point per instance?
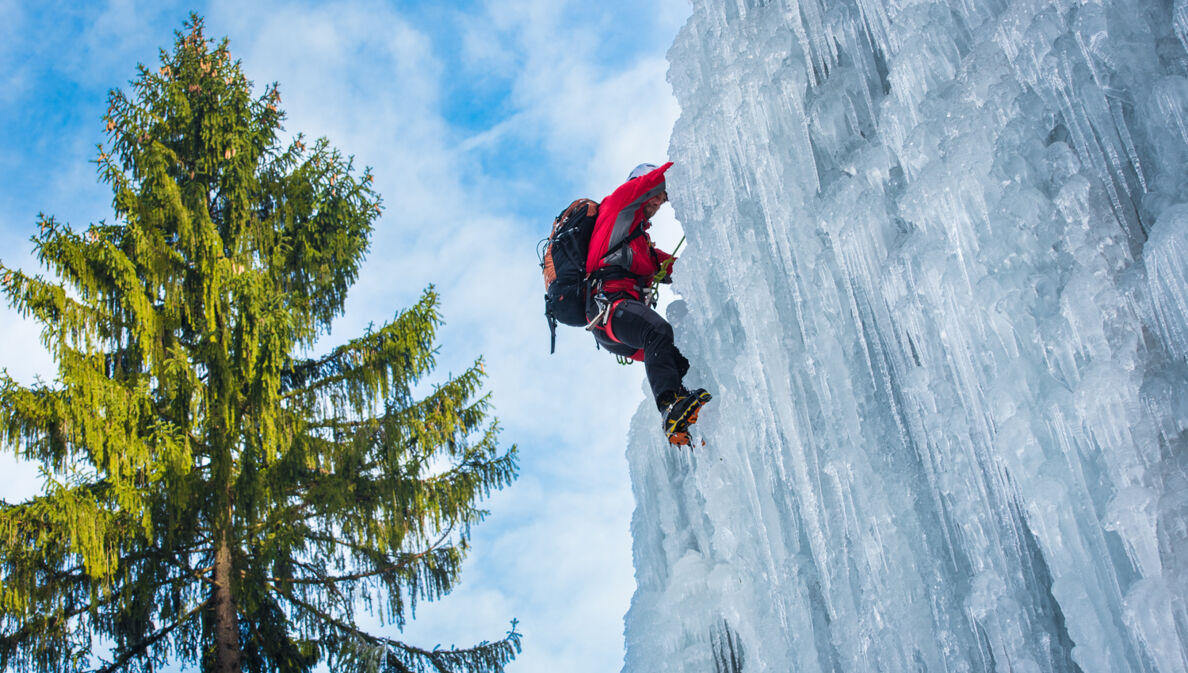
(937, 280)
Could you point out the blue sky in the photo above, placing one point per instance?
(481, 121)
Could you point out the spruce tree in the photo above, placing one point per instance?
(213, 496)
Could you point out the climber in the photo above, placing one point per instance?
(622, 267)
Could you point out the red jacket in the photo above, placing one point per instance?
(619, 215)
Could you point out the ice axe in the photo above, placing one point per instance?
(651, 295)
(667, 264)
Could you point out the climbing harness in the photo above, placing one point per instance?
(605, 306)
(650, 296)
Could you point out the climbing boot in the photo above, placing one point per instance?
(682, 412)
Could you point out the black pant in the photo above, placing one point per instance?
(636, 326)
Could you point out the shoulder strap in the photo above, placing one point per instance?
(639, 231)
(612, 271)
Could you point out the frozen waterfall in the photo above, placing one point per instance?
(938, 282)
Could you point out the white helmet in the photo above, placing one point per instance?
(642, 169)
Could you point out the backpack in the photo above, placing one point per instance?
(563, 264)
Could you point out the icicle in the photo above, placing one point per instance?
(1166, 256)
(1180, 21)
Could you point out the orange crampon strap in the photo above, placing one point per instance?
(680, 439)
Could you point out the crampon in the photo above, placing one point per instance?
(682, 439)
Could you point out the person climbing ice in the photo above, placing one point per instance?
(623, 267)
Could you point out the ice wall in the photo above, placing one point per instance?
(937, 278)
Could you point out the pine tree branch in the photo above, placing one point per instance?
(60, 315)
(141, 647)
(29, 419)
(344, 543)
(394, 355)
(41, 624)
(327, 579)
(403, 561)
(78, 573)
(97, 268)
(483, 657)
(200, 574)
(44, 623)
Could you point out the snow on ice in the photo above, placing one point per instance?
(937, 279)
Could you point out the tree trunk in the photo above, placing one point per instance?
(227, 655)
